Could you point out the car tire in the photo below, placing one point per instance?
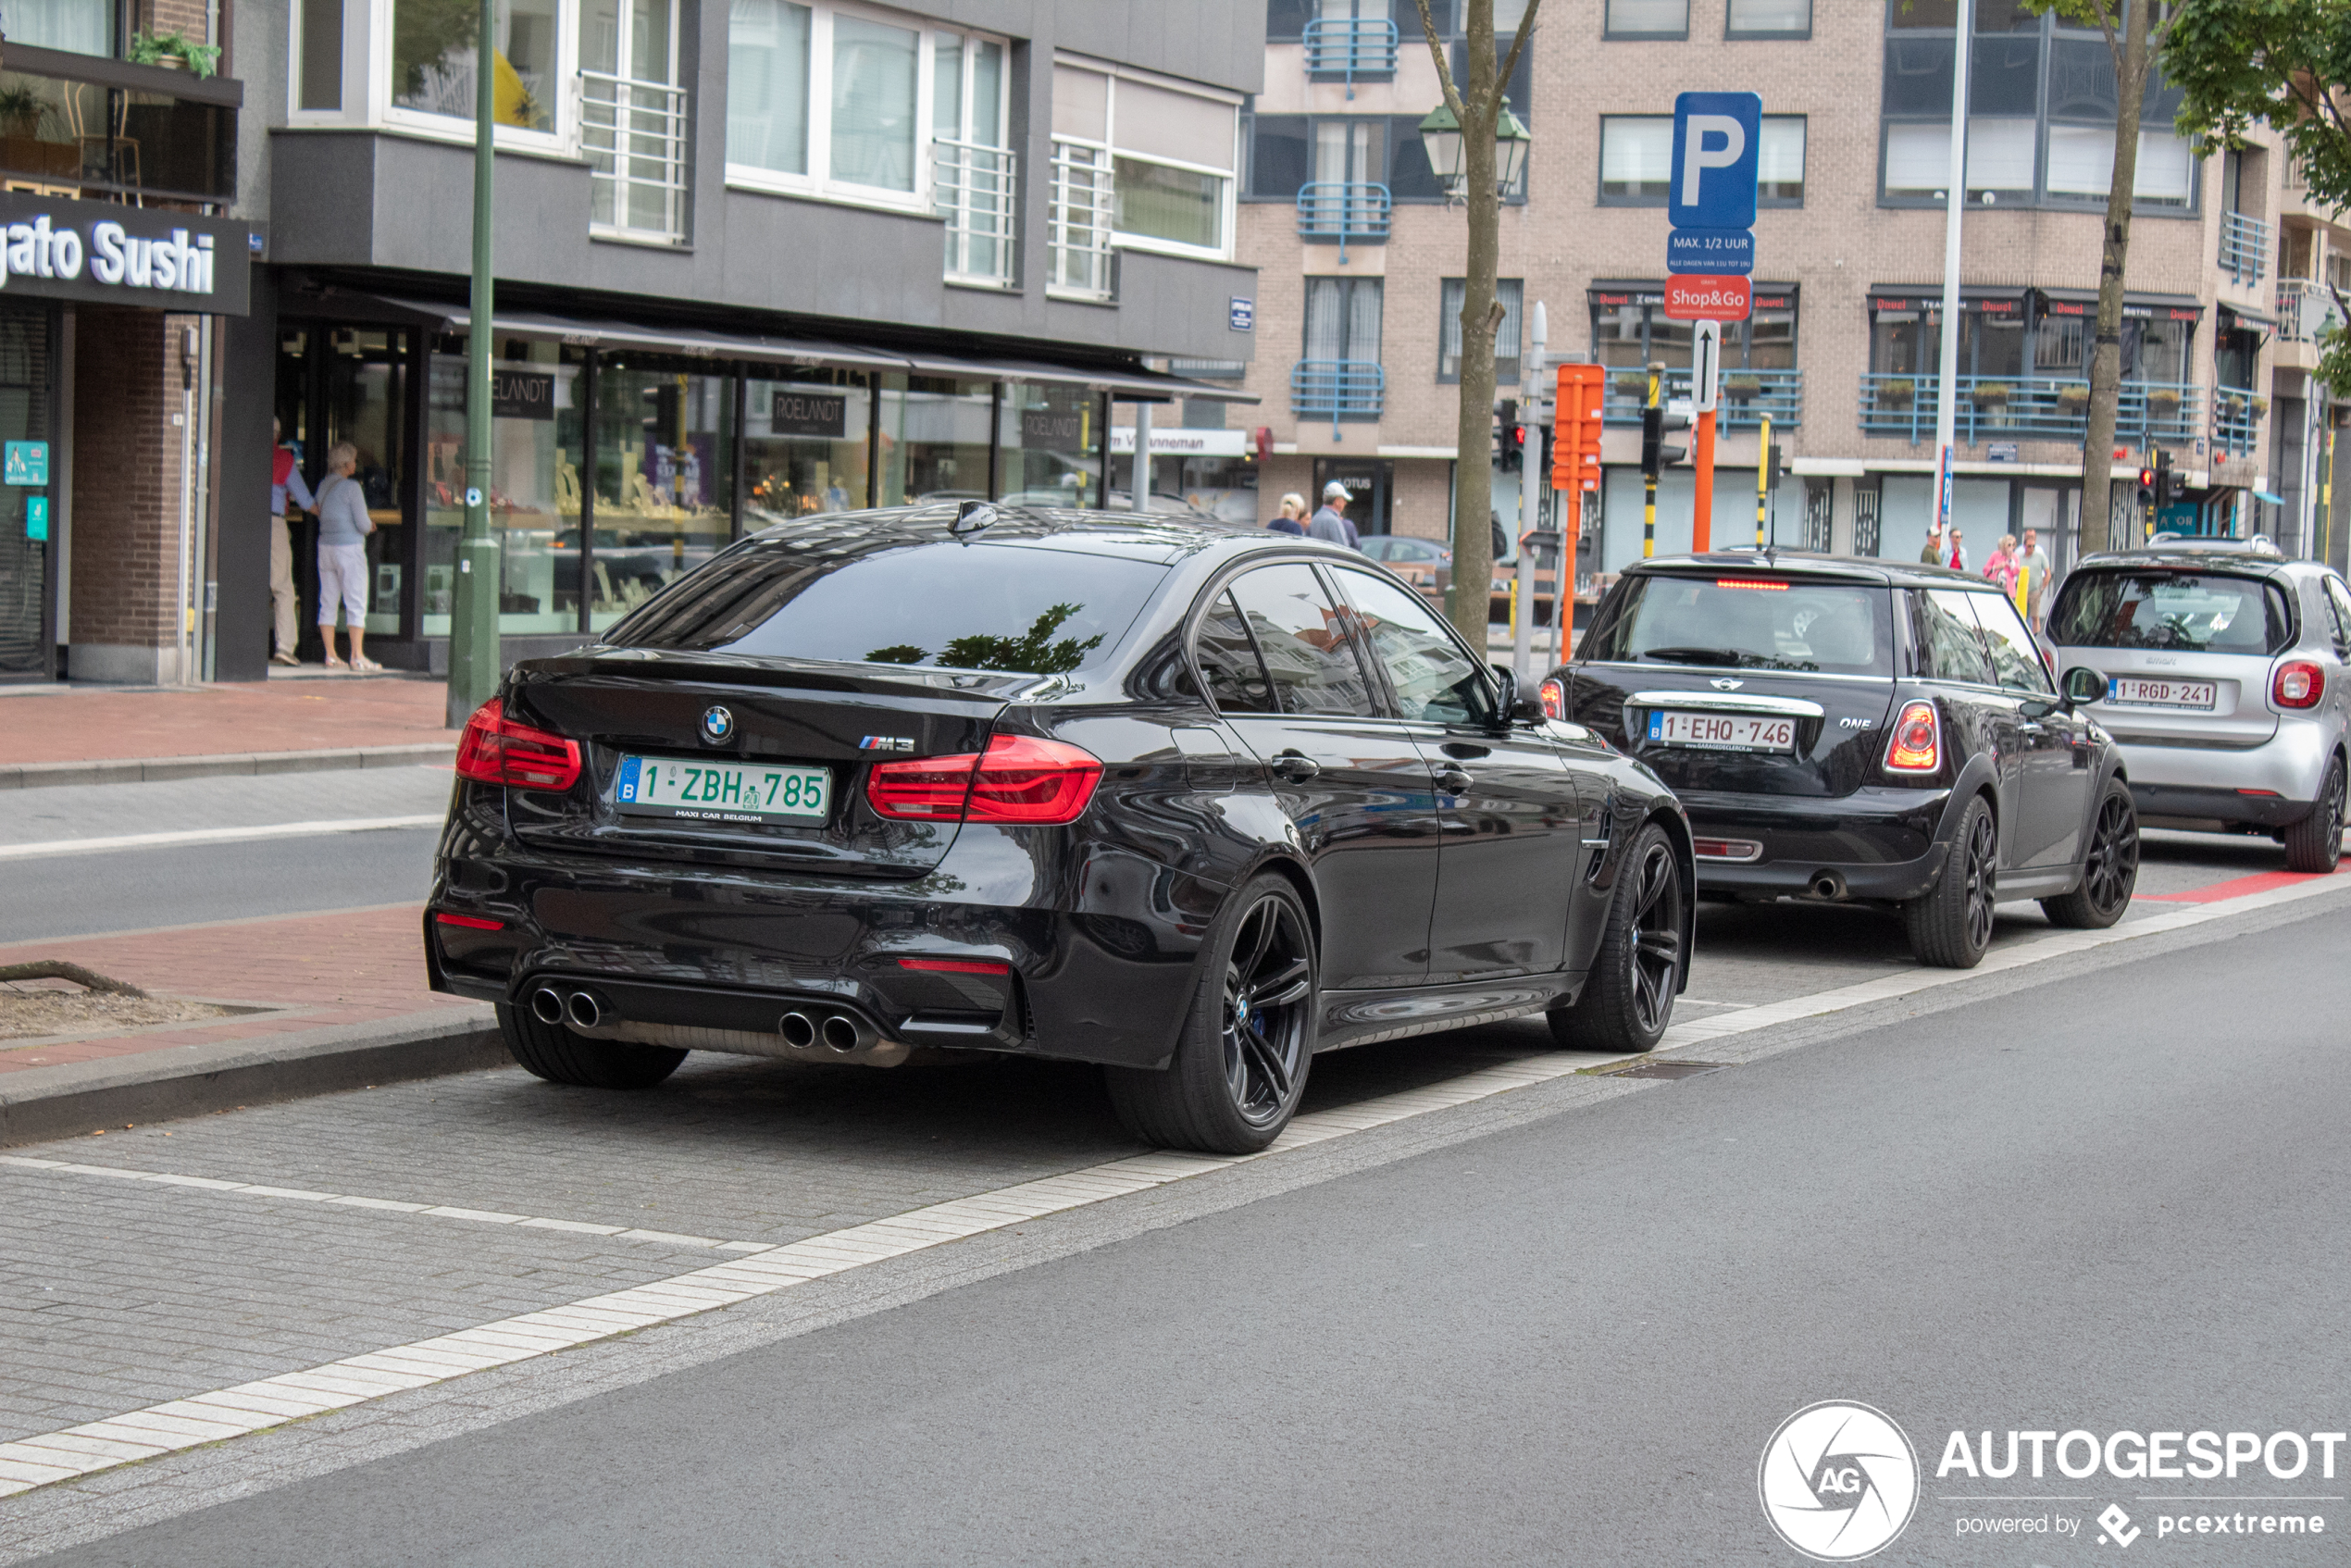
(1950, 925)
(2109, 867)
(1628, 998)
(2314, 845)
(561, 1056)
(1243, 1052)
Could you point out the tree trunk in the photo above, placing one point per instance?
(2105, 358)
(1473, 435)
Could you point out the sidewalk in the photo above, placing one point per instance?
(78, 735)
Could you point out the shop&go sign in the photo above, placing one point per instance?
(1708, 299)
(100, 252)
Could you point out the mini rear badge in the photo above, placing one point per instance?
(887, 743)
(1726, 685)
(717, 725)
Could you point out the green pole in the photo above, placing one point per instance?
(473, 623)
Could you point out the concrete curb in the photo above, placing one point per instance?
(73, 1097)
(143, 770)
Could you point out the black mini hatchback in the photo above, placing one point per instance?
(1857, 730)
(1189, 802)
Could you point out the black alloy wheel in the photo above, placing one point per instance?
(1950, 926)
(2314, 845)
(1242, 1055)
(2111, 869)
(1628, 999)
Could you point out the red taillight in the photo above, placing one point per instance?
(498, 750)
(1763, 584)
(470, 922)
(2297, 685)
(955, 965)
(1018, 779)
(1554, 699)
(1916, 745)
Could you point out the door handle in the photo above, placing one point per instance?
(1454, 781)
(1295, 767)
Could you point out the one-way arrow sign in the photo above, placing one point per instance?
(1706, 364)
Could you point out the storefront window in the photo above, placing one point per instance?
(804, 445)
(1053, 439)
(934, 432)
(433, 60)
(535, 432)
(365, 374)
(664, 461)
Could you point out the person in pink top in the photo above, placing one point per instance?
(2003, 565)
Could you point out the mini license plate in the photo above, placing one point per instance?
(723, 792)
(1723, 732)
(2135, 691)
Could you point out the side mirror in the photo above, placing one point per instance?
(2084, 684)
(1521, 703)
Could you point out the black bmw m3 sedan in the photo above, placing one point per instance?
(1185, 800)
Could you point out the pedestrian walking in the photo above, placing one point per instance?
(1290, 519)
(285, 481)
(1933, 554)
(2034, 562)
(1957, 560)
(344, 527)
(2001, 566)
(1331, 522)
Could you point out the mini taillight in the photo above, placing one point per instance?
(955, 965)
(1018, 779)
(1554, 699)
(2297, 685)
(498, 750)
(1916, 745)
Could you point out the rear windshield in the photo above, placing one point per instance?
(1748, 623)
(1027, 608)
(2188, 611)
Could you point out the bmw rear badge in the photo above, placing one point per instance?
(717, 725)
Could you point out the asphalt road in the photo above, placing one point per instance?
(78, 894)
(2111, 1203)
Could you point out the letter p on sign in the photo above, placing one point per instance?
(1717, 140)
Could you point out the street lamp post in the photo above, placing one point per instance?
(473, 620)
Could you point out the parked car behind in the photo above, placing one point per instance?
(2224, 679)
(1845, 729)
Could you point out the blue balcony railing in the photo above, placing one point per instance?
(1327, 210)
(2244, 247)
(1350, 49)
(2029, 408)
(2236, 420)
(1745, 397)
(1337, 389)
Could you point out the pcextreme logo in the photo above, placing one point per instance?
(1838, 1481)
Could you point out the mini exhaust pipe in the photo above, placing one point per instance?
(584, 1011)
(547, 1005)
(798, 1030)
(1827, 885)
(842, 1033)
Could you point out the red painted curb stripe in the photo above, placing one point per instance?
(2236, 887)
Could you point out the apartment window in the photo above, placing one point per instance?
(432, 62)
(1343, 319)
(1171, 156)
(1509, 292)
(1648, 18)
(79, 27)
(2041, 106)
(1285, 151)
(1768, 18)
(1779, 167)
(1637, 159)
(829, 101)
(318, 55)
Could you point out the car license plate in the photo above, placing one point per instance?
(723, 792)
(2135, 691)
(1723, 732)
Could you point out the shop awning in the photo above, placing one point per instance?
(2238, 313)
(1126, 383)
(2136, 307)
(1929, 296)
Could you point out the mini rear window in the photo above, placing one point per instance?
(1031, 609)
(2180, 612)
(1747, 622)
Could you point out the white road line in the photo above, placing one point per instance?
(215, 836)
(227, 1413)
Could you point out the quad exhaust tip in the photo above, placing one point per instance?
(798, 1030)
(584, 1011)
(547, 1005)
(842, 1034)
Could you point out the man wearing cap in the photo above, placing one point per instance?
(1331, 522)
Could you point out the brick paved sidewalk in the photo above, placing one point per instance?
(338, 967)
(86, 725)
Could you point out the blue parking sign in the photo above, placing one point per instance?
(1717, 138)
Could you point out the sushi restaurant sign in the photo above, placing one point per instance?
(102, 252)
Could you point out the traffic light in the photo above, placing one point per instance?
(2147, 487)
(1655, 453)
(1509, 437)
(2170, 483)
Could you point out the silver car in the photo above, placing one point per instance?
(2228, 684)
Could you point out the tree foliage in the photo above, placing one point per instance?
(2283, 63)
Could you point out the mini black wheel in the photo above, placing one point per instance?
(1242, 1055)
(2110, 868)
(1950, 926)
(2315, 843)
(560, 1056)
(1628, 999)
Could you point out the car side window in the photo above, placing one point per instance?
(1950, 646)
(2016, 661)
(2339, 598)
(1304, 640)
(1435, 681)
(1228, 661)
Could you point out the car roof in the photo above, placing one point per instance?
(2229, 556)
(1812, 565)
(1161, 538)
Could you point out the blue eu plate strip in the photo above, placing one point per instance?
(628, 768)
